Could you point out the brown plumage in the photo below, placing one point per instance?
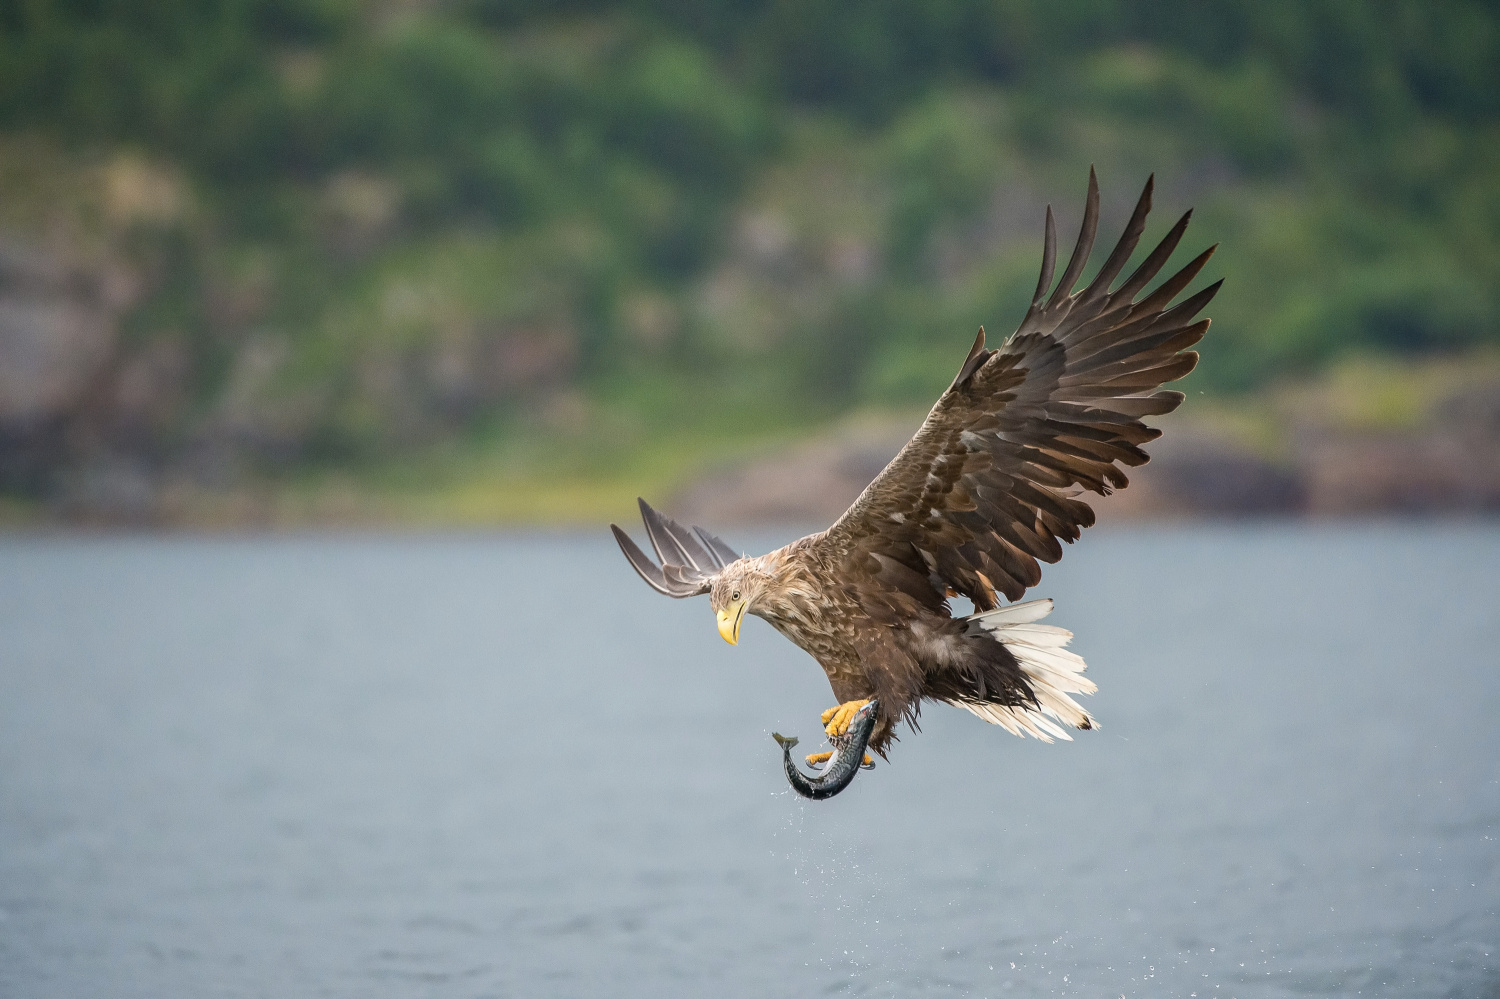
(988, 488)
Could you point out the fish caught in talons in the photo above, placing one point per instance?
(847, 759)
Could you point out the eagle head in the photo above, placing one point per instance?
(734, 592)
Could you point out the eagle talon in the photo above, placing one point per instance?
(839, 766)
(818, 760)
(836, 719)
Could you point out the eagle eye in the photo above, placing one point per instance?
(735, 595)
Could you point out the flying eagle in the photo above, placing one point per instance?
(989, 486)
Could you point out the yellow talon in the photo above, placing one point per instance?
(815, 759)
(836, 720)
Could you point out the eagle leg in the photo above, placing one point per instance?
(836, 719)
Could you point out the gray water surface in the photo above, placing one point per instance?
(501, 766)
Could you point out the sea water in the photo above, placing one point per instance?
(502, 766)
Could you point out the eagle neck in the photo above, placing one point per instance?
(785, 597)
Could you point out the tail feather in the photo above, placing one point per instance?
(1052, 672)
(1023, 613)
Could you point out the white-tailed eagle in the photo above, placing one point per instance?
(990, 486)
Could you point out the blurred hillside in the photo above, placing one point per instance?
(535, 257)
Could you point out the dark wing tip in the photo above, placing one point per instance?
(671, 580)
(1086, 233)
(640, 562)
(977, 356)
(675, 543)
(717, 547)
(1049, 261)
(1129, 238)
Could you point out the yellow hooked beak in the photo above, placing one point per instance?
(729, 622)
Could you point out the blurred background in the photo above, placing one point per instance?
(493, 261)
(399, 264)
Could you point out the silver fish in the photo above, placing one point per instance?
(848, 757)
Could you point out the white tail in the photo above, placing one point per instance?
(1053, 671)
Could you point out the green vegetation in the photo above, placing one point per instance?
(394, 235)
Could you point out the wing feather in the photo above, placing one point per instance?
(1083, 247)
(990, 486)
(690, 559)
(722, 554)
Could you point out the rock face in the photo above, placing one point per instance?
(58, 337)
(96, 426)
(50, 349)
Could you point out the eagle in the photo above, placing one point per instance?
(989, 487)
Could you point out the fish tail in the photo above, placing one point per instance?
(784, 741)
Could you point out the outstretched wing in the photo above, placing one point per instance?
(989, 484)
(690, 559)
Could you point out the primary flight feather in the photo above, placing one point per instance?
(989, 486)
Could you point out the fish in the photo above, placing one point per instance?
(848, 757)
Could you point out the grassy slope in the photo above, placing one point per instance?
(475, 263)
